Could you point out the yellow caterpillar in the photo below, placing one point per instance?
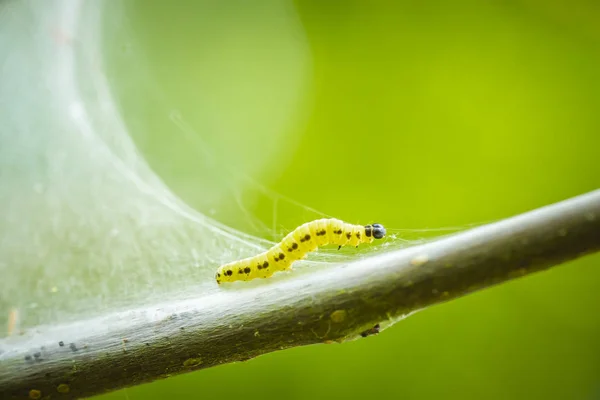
(295, 245)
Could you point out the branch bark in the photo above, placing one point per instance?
(335, 304)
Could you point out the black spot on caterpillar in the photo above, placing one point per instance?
(372, 331)
(295, 245)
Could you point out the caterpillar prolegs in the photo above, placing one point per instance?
(295, 245)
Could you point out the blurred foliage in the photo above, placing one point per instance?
(415, 114)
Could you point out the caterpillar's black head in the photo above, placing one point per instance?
(375, 230)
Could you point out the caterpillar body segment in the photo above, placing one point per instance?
(306, 238)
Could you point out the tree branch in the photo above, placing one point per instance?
(334, 304)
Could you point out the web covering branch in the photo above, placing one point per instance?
(344, 302)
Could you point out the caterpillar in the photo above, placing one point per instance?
(295, 245)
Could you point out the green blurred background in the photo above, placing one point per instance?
(416, 114)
